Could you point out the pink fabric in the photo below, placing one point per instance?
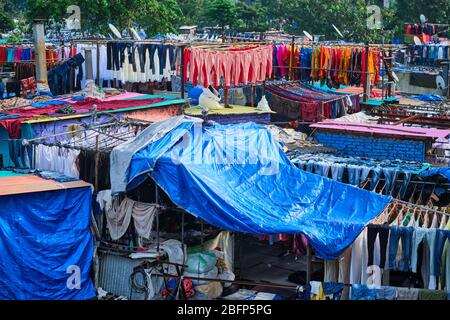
(227, 65)
(280, 60)
(398, 130)
(238, 67)
(248, 56)
(235, 65)
(124, 96)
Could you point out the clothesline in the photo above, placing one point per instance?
(92, 140)
(327, 69)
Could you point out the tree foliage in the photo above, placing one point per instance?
(292, 16)
(220, 13)
(154, 16)
(6, 20)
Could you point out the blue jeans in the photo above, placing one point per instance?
(354, 173)
(337, 171)
(386, 293)
(362, 292)
(310, 166)
(406, 235)
(441, 237)
(391, 176)
(364, 173)
(376, 176)
(419, 235)
(406, 181)
(322, 169)
(333, 288)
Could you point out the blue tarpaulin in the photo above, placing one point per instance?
(237, 177)
(46, 246)
(444, 171)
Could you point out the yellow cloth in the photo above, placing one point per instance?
(320, 295)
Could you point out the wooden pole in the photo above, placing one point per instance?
(291, 58)
(308, 264)
(225, 98)
(40, 52)
(98, 64)
(252, 96)
(157, 218)
(366, 75)
(71, 75)
(182, 72)
(63, 52)
(97, 160)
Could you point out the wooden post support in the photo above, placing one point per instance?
(225, 98)
(182, 72)
(366, 76)
(157, 219)
(98, 64)
(71, 78)
(308, 264)
(63, 52)
(391, 64)
(97, 160)
(40, 52)
(291, 59)
(252, 96)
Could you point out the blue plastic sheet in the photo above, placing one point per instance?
(444, 171)
(45, 239)
(427, 97)
(236, 177)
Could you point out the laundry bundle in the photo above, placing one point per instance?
(296, 100)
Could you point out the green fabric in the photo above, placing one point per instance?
(407, 219)
(318, 84)
(5, 174)
(425, 166)
(425, 294)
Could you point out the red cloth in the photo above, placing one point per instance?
(13, 125)
(2, 54)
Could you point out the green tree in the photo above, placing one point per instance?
(6, 21)
(317, 17)
(252, 17)
(220, 13)
(191, 11)
(436, 11)
(155, 16)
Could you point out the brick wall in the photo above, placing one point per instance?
(378, 148)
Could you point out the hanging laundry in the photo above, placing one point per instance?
(119, 219)
(233, 65)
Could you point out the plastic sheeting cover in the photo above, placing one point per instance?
(46, 246)
(236, 177)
